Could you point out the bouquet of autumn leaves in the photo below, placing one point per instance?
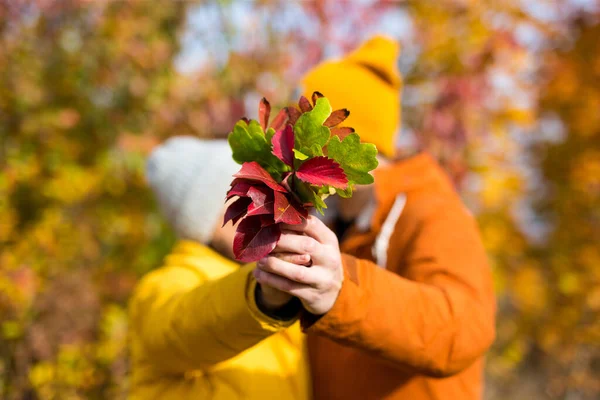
(288, 166)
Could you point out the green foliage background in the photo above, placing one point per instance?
(505, 95)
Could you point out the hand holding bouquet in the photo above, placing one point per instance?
(288, 166)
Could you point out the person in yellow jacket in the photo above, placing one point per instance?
(196, 329)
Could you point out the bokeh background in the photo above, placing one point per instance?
(505, 93)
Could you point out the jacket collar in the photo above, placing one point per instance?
(406, 175)
(391, 181)
(197, 249)
(191, 254)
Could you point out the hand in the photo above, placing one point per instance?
(272, 298)
(316, 286)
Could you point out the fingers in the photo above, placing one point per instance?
(299, 244)
(305, 245)
(292, 272)
(315, 228)
(298, 259)
(283, 284)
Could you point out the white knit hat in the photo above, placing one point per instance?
(190, 178)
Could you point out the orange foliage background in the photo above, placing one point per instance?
(505, 93)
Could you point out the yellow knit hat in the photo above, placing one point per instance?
(367, 83)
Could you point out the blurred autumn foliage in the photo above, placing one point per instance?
(505, 93)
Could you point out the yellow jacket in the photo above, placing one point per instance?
(196, 333)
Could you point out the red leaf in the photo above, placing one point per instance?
(280, 119)
(283, 145)
(264, 111)
(264, 209)
(262, 201)
(254, 172)
(239, 187)
(254, 241)
(285, 181)
(294, 115)
(321, 171)
(315, 96)
(304, 104)
(288, 210)
(342, 131)
(266, 219)
(237, 210)
(259, 194)
(336, 117)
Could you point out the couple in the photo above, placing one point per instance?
(397, 302)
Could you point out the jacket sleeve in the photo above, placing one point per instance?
(435, 319)
(181, 321)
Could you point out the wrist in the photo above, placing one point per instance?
(283, 309)
(271, 299)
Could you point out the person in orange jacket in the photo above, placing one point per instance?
(401, 306)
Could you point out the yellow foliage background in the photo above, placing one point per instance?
(506, 94)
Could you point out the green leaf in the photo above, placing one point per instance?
(249, 143)
(303, 190)
(307, 194)
(345, 193)
(309, 131)
(319, 204)
(269, 135)
(326, 190)
(299, 155)
(316, 150)
(356, 158)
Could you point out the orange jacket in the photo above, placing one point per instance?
(417, 325)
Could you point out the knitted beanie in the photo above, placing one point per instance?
(190, 178)
(368, 83)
